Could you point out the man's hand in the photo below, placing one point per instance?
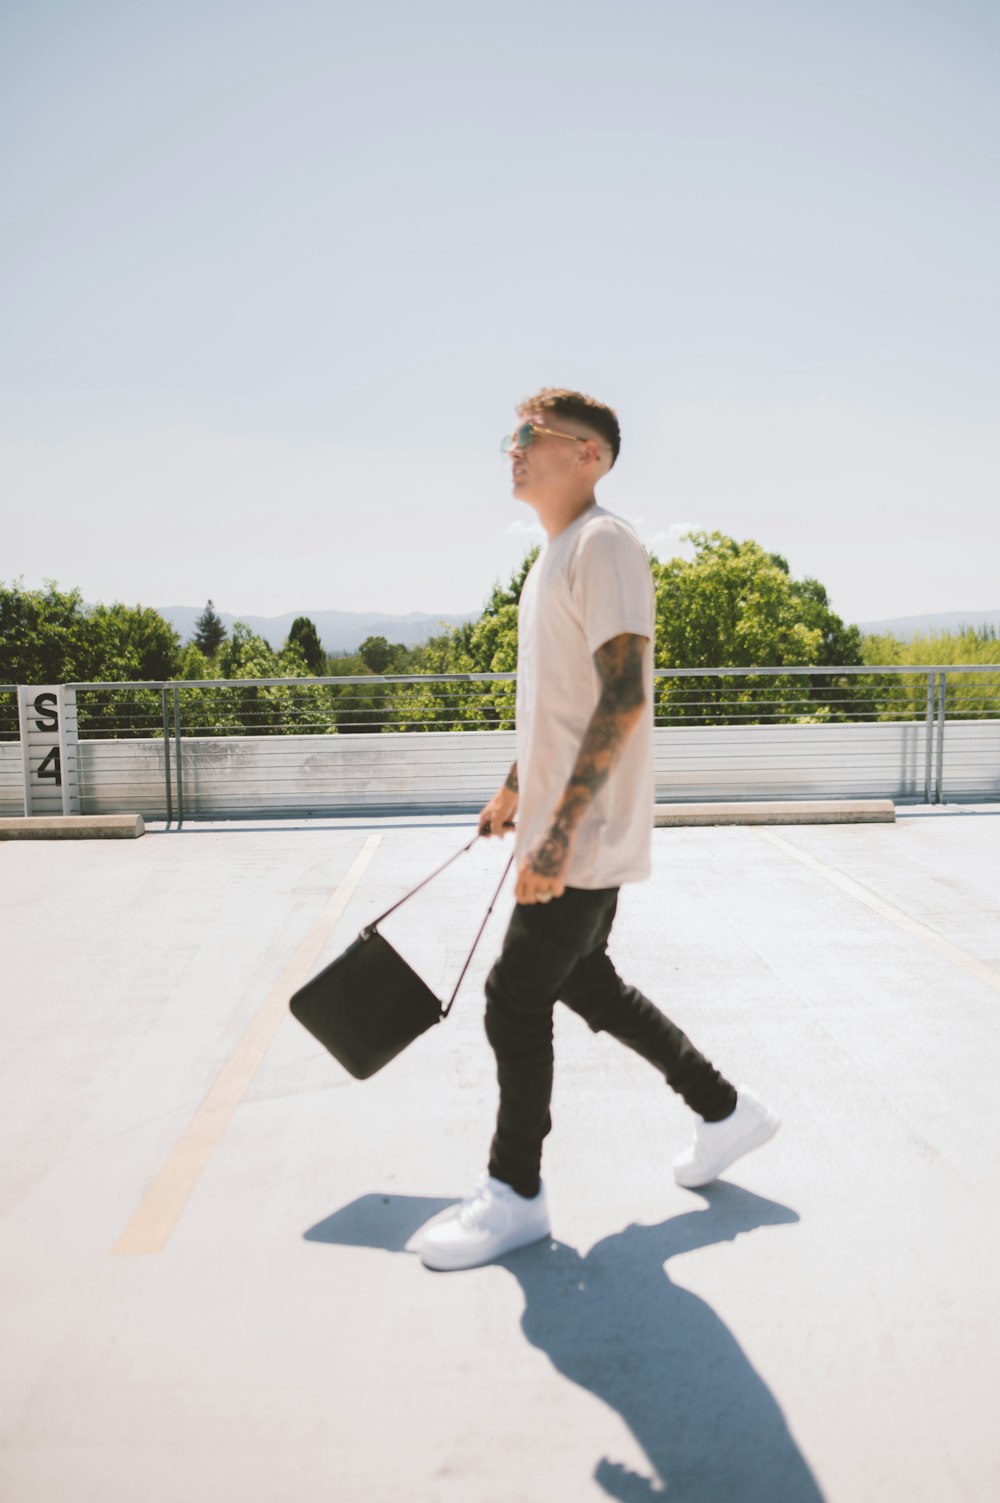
(498, 815)
(542, 874)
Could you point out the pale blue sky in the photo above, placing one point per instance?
(273, 275)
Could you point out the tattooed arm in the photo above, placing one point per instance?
(619, 709)
(499, 812)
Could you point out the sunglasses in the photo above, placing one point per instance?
(524, 437)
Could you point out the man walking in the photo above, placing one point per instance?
(582, 789)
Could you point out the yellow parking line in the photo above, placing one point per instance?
(928, 936)
(151, 1226)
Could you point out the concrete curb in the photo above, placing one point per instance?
(73, 827)
(790, 812)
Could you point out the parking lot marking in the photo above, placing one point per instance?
(923, 932)
(154, 1221)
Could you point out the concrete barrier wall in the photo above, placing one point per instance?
(791, 761)
(11, 777)
(971, 760)
(232, 777)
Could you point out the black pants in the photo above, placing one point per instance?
(558, 951)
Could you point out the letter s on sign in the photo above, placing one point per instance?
(45, 709)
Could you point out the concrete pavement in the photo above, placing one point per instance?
(823, 1323)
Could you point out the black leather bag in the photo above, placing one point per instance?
(368, 1004)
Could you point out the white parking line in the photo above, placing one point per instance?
(928, 936)
(151, 1226)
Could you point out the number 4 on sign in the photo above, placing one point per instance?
(49, 771)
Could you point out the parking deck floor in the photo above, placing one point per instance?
(205, 1287)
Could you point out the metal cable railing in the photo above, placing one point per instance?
(322, 706)
(296, 746)
(221, 748)
(11, 765)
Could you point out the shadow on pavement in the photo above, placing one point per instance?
(614, 1323)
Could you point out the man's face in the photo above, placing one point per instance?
(549, 466)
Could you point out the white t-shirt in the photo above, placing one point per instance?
(590, 583)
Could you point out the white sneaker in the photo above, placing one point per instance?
(717, 1144)
(491, 1221)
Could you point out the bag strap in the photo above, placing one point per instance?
(475, 942)
(370, 928)
(413, 890)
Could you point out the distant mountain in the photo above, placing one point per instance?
(344, 631)
(339, 631)
(907, 627)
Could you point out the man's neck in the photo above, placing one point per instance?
(556, 516)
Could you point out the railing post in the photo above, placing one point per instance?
(929, 749)
(942, 689)
(177, 745)
(166, 754)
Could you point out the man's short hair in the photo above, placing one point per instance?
(562, 403)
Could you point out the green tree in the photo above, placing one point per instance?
(303, 634)
(372, 705)
(132, 642)
(44, 638)
(736, 604)
(376, 654)
(259, 709)
(50, 636)
(510, 593)
(970, 645)
(488, 645)
(209, 631)
(970, 696)
(194, 664)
